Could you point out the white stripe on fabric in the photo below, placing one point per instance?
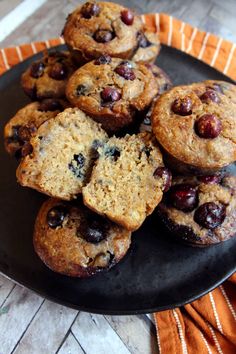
(215, 339)
(18, 50)
(191, 40)
(62, 40)
(230, 306)
(158, 337)
(33, 48)
(215, 313)
(216, 52)
(182, 36)
(5, 59)
(200, 55)
(181, 334)
(207, 345)
(157, 22)
(170, 31)
(227, 65)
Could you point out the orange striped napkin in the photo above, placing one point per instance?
(208, 325)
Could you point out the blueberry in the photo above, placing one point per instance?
(208, 126)
(56, 216)
(127, 17)
(94, 228)
(77, 164)
(166, 175)
(81, 90)
(125, 71)
(58, 72)
(37, 70)
(110, 94)
(209, 179)
(103, 59)
(182, 106)
(210, 95)
(143, 42)
(103, 36)
(210, 215)
(183, 197)
(90, 9)
(113, 152)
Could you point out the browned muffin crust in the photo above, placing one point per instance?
(200, 210)
(72, 240)
(196, 127)
(98, 28)
(20, 128)
(112, 91)
(47, 77)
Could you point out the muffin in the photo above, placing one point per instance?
(20, 128)
(200, 210)
(148, 47)
(128, 180)
(112, 91)
(47, 77)
(72, 240)
(62, 155)
(196, 127)
(98, 28)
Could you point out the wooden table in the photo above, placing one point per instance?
(30, 324)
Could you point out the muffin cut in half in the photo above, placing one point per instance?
(128, 180)
(62, 155)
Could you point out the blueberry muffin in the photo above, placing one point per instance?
(20, 128)
(112, 91)
(72, 240)
(200, 210)
(47, 77)
(148, 47)
(196, 127)
(98, 28)
(61, 155)
(128, 180)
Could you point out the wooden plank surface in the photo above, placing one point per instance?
(28, 323)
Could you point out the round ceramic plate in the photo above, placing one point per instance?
(157, 273)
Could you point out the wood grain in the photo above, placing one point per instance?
(52, 322)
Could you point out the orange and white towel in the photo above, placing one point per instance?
(208, 325)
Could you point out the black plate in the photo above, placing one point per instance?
(158, 273)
